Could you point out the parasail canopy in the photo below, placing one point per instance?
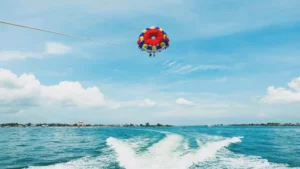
(153, 39)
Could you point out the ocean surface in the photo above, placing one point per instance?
(150, 148)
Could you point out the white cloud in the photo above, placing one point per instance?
(282, 95)
(72, 93)
(172, 63)
(184, 68)
(147, 103)
(295, 84)
(55, 48)
(13, 55)
(26, 90)
(183, 101)
(52, 48)
(17, 92)
(189, 68)
(138, 103)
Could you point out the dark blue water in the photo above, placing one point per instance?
(151, 148)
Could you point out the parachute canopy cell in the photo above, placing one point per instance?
(153, 39)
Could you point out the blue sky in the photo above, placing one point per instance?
(228, 62)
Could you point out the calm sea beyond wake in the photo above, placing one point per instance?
(150, 148)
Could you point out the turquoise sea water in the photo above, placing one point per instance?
(150, 148)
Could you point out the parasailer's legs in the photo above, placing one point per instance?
(150, 54)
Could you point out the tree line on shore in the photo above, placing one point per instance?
(132, 125)
(81, 125)
(267, 124)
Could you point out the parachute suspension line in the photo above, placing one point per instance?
(58, 33)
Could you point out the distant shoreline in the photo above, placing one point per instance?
(6, 125)
(147, 125)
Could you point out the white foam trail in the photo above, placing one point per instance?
(227, 159)
(85, 162)
(186, 145)
(205, 152)
(169, 153)
(165, 153)
(138, 142)
(156, 156)
(166, 145)
(125, 154)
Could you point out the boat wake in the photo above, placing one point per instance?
(167, 153)
(171, 152)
